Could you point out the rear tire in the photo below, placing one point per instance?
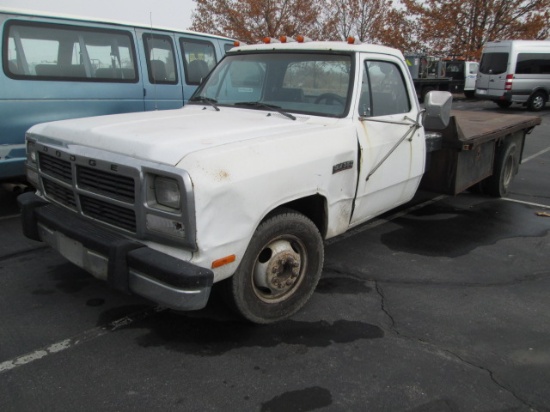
(279, 270)
(506, 167)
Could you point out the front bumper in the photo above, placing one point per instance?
(127, 265)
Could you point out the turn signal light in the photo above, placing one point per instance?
(223, 261)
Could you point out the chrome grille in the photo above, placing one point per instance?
(92, 191)
(58, 168)
(107, 184)
(109, 213)
(60, 194)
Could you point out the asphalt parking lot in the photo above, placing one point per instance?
(440, 306)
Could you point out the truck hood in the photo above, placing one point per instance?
(167, 136)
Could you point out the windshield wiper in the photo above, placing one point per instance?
(202, 99)
(267, 106)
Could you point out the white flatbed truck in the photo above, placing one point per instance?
(282, 147)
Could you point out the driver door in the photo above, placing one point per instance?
(392, 148)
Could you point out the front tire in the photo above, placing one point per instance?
(537, 102)
(279, 270)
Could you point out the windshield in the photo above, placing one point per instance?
(315, 83)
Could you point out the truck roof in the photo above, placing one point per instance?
(320, 46)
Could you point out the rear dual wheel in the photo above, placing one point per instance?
(505, 168)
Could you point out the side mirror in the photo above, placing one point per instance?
(438, 110)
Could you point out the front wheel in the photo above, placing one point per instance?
(537, 101)
(279, 271)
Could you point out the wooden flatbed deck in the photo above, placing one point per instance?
(474, 128)
(469, 146)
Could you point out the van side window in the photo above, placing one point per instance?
(161, 64)
(59, 52)
(388, 92)
(199, 58)
(533, 63)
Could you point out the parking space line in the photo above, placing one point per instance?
(526, 203)
(84, 337)
(535, 155)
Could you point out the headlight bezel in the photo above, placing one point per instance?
(31, 150)
(177, 222)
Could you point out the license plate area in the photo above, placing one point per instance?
(75, 252)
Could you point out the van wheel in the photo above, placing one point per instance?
(470, 94)
(506, 166)
(503, 104)
(537, 101)
(279, 270)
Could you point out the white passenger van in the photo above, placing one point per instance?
(515, 71)
(57, 68)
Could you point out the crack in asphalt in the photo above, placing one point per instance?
(393, 328)
(392, 324)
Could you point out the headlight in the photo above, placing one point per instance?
(31, 151)
(167, 192)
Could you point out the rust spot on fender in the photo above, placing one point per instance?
(222, 175)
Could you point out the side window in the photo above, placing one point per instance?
(365, 101)
(199, 57)
(386, 89)
(161, 64)
(533, 63)
(54, 52)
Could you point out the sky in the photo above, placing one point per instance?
(164, 13)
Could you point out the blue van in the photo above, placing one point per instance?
(57, 68)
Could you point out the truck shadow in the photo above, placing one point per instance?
(447, 231)
(212, 332)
